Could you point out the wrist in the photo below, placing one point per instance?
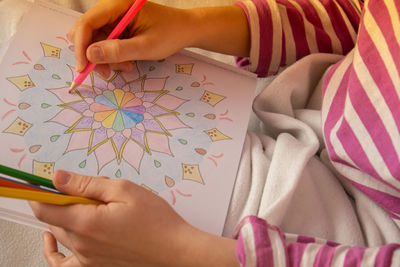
(198, 248)
(221, 29)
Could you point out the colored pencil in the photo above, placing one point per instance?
(31, 178)
(21, 185)
(127, 18)
(44, 197)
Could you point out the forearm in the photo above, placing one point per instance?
(209, 250)
(189, 246)
(220, 29)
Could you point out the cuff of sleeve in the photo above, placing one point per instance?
(260, 243)
(251, 63)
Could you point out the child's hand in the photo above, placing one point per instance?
(134, 227)
(156, 32)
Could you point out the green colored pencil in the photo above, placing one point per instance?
(31, 178)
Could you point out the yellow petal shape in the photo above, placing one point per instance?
(109, 121)
(119, 94)
(100, 116)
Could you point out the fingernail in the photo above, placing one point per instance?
(63, 178)
(97, 53)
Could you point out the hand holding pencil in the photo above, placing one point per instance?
(37, 189)
(116, 32)
(155, 33)
(129, 229)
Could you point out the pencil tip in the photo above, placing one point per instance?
(72, 87)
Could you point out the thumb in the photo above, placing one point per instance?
(117, 51)
(81, 185)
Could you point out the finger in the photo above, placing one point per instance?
(82, 39)
(94, 19)
(99, 188)
(103, 70)
(61, 236)
(69, 240)
(50, 248)
(117, 51)
(81, 217)
(123, 66)
(70, 217)
(104, 13)
(55, 258)
(99, 35)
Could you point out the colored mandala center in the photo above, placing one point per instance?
(118, 109)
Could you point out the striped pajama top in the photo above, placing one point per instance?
(360, 113)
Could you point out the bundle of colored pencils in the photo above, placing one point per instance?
(22, 185)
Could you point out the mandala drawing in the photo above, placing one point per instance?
(119, 118)
(131, 124)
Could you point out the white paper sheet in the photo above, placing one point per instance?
(174, 126)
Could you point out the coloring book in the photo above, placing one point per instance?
(174, 126)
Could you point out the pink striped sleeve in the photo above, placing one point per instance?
(262, 244)
(283, 31)
(361, 108)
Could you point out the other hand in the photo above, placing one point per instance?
(134, 227)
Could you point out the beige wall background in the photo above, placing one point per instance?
(21, 246)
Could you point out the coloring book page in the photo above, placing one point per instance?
(174, 126)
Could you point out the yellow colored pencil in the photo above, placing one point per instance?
(50, 198)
